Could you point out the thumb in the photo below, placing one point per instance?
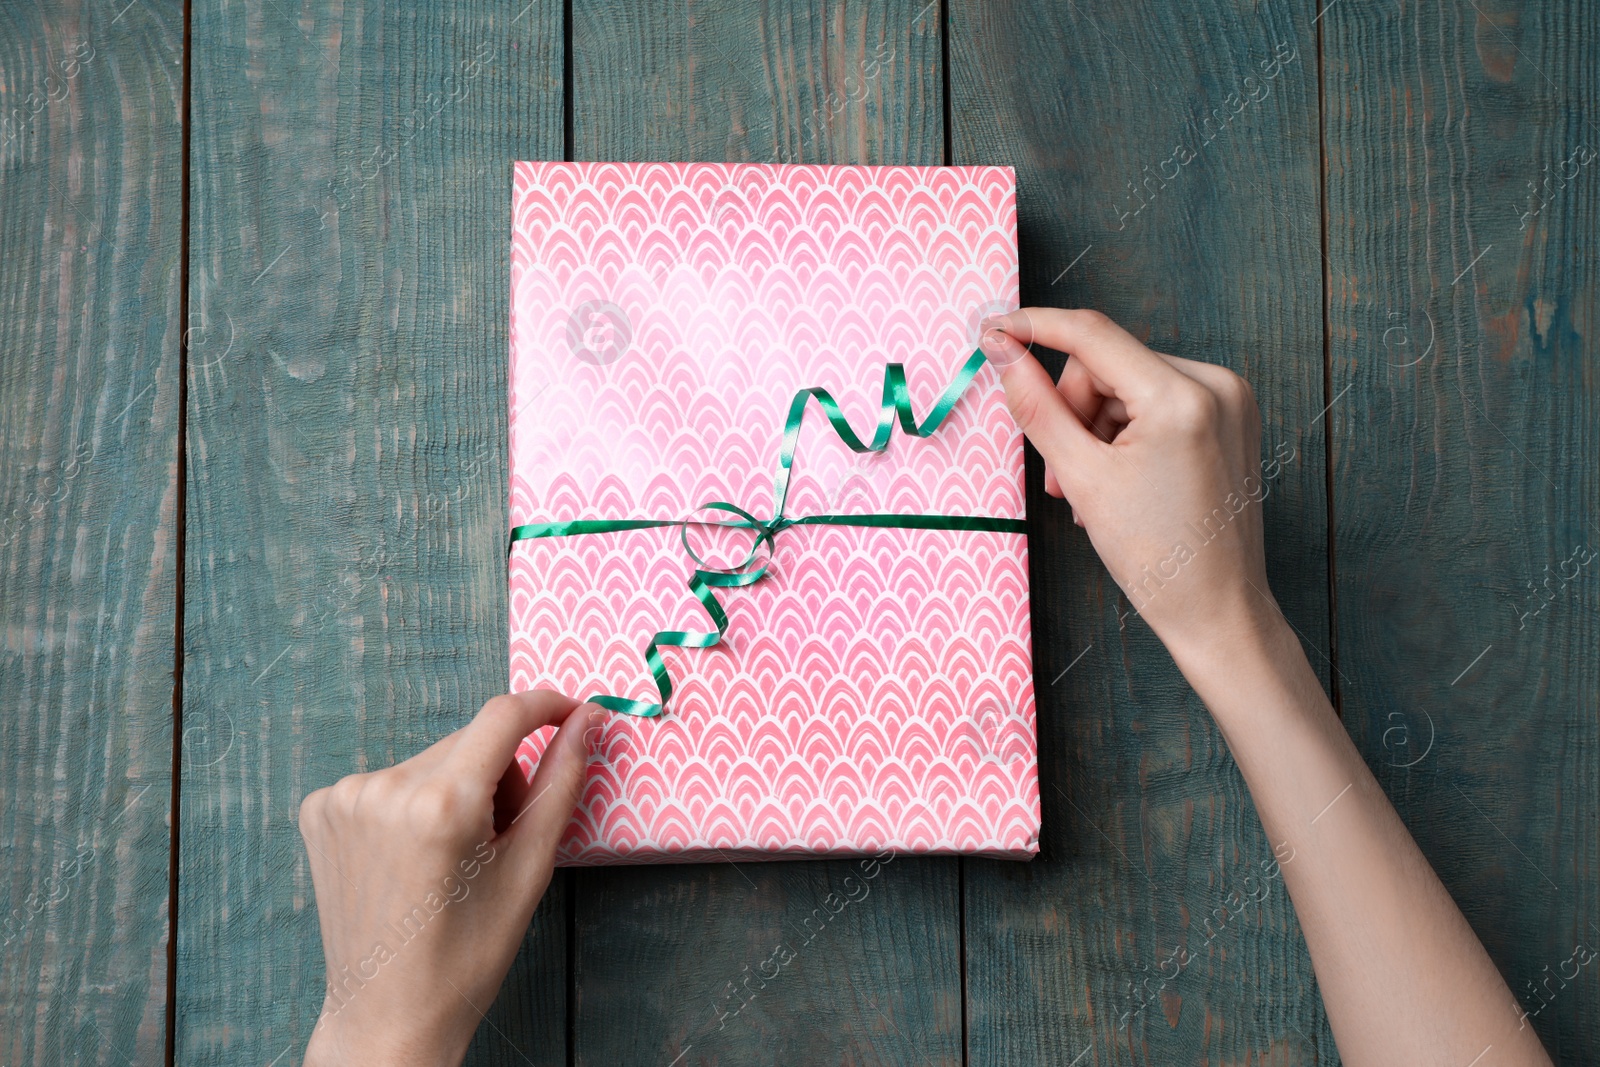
(557, 785)
(1040, 410)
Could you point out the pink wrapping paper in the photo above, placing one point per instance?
(875, 691)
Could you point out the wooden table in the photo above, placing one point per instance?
(253, 334)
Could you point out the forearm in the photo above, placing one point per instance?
(1160, 458)
(1404, 978)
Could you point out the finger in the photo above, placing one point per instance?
(431, 756)
(1083, 395)
(511, 795)
(1232, 392)
(1051, 486)
(1105, 427)
(486, 745)
(1039, 408)
(515, 790)
(1188, 367)
(557, 784)
(1105, 415)
(1116, 359)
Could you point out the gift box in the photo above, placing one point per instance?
(813, 649)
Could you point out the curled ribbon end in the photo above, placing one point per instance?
(641, 709)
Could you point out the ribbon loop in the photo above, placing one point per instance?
(764, 532)
(895, 407)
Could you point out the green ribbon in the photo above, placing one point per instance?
(896, 406)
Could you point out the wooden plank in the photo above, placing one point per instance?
(91, 217)
(1463, 217)
(346, 580)
(664, 954)
(1167, 167)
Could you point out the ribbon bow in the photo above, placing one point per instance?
(896, 406)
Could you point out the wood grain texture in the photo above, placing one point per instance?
(346, 499)
(345, 566)
(1463, 309)
(91, 222)
(1169, 180)
(665, 956)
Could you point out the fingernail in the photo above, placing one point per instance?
(1001, 321)
(1000, 348)
(597, 715)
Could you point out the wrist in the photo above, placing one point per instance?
(345, 1042)
(1244, 623)
(1245, 659)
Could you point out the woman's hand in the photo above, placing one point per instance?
(427, 875)
(1159, 458)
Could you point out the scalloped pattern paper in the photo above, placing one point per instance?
(875, 691)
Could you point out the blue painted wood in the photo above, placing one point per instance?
(1463, 217)
(346, 585)
(1167, 166)
(346, 327)
(91, 219)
